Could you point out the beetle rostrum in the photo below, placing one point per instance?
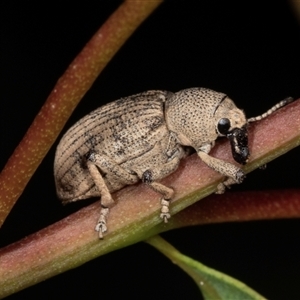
(238, 138)
(144, 137)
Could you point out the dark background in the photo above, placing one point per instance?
(249, 50)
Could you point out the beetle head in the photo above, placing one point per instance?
(234, 127)
(198, 116)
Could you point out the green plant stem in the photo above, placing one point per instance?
(213, 284)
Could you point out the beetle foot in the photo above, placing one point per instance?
(101, 226)
(240, 175)
(221, 188)
(165, 214)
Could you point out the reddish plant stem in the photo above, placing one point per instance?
(72, 241)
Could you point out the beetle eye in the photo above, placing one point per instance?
(223, 126)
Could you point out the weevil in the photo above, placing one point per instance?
(144, 137)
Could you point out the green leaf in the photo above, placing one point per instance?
(213, 284)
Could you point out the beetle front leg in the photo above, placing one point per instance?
(234, 173)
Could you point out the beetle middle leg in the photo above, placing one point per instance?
(167, 193)
(150, 176)
(106, 165)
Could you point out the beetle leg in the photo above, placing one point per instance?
(107, 166)
(225, 184)
(164, 202)
(234, 173)
(101, 226)
(106, 199)
(171, 146)
(148, 178)
(163, 190)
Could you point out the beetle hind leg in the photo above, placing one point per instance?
(106, 199)
(96, 162)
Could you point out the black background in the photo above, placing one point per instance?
(249, 50)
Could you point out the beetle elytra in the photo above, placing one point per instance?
(144, 137)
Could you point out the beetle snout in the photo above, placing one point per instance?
(238, 138)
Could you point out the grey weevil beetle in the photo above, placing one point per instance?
(144, 137)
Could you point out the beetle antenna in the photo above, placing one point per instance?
(272, 109)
